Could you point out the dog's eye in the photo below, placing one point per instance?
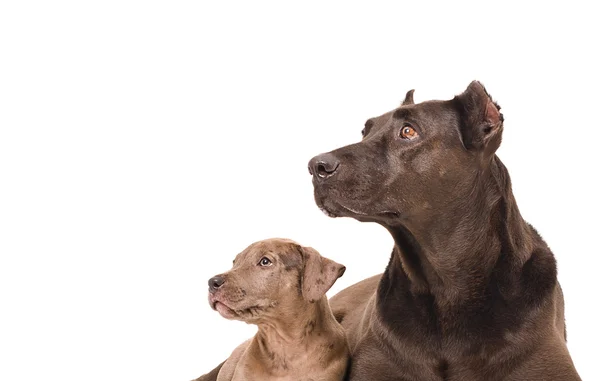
(264, 261)
(407, 132)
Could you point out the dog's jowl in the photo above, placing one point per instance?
(470, 292)
(280, 286)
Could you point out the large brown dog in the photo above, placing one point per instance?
(280, 286)
(470, 292)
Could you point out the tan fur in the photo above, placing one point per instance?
(298, 337)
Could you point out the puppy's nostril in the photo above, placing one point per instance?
(215, 283)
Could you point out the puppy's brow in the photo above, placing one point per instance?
(369, 123)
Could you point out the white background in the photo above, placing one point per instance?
(144, 143)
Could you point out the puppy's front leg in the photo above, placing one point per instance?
(212, 375)
(229, 366)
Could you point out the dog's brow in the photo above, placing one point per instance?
(369, 123)
(401, 113)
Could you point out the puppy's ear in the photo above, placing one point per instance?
(408, 99)
(319, 274)
(481, 119)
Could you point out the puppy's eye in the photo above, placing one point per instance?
(364, 130)
(409, 133)
(264, 261)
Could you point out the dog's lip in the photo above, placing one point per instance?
(353, 210)
(357, 213)
(327, 212)
(390, 213)
(330, 213)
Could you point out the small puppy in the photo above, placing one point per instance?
(280, 286)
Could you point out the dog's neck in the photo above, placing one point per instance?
(282, 341)
(452, 253)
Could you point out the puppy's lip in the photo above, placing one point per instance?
(213, 301)
(223, 310)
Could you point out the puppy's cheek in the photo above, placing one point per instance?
(233, 294)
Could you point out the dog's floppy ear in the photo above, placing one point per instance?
(408, 99)
(319, 274)
(481, 119)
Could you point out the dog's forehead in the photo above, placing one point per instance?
(423, 110)
(379, 120)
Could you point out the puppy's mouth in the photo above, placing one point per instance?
(232, 313)
(223, 310)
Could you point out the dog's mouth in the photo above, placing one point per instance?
(337, 209)
(329, 213)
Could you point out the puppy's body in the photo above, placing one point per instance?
(316, 351)
(280, 286)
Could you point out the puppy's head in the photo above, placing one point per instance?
(270, 275)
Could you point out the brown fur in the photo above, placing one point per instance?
(298, 337)
(470, 292)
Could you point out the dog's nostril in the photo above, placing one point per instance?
(323, 166)
(215, 283)
(321, 170)
(326, 169)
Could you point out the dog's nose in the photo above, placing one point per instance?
(323, 166)
(215, 283)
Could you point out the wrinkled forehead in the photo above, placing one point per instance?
(429, 114)
(278, 247)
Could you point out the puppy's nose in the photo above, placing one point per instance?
(323, 166)
(215, 283)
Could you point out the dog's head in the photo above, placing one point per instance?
(411, 160)
(271, 275)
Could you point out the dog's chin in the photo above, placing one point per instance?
(338, 209)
